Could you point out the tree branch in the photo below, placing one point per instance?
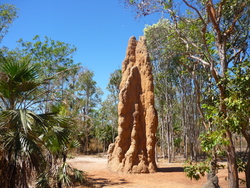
(196, 10)
(201, 60)
(236, 17)
(220, 10)
(212, 15)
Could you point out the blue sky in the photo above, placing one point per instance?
(99, 29)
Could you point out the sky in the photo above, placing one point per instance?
(99, 30)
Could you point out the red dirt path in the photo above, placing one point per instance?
(170, 175)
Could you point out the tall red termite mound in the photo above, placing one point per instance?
(134, 148)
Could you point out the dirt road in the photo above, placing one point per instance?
(169, 175)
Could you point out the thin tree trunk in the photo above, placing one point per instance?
(173, 148)
(162, 139)
(168, 141)
(186, 146)
(156, 153)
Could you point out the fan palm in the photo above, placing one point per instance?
(59, 173)
(22, 129)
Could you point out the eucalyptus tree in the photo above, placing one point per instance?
(213, 35)
(106, 129)
(166, 91)
(111, 103)
(106, 123)
(87, 90)
(8, 13)
(114, 85)
(54, 58)
(175, 91)
(86, 101)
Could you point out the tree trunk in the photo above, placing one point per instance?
(169, 144)
(162, 138)
(191, 151)
(245, 133)
(247, 172)
(173, 148)
(233, 179)
(185, 146)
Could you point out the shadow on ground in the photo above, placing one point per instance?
(170, 169)
(101, 182)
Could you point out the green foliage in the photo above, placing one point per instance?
(199, 169)
(196, 171)
(53, 57)
(8, 13)
(67, 175)
(87, 90)
(19, 126)
(174, 89)
(212, 42)
(107, 121)
(29, 141)
(213, 139)
(55, 62)
(17, 79)
(68, 89)
(41, 91)
(114, 82)
(238, 102)
(177, 142)
(241, 165)
(63, 176)
(105, 134)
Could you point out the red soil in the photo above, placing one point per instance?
(170, 175)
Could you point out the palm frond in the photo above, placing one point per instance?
(9, 143)
(25, 120)
(16, 78)
(74, 144)
(38, 120)
(8, 116)
(31, 149)
(61, 134)
(26, 137)
(78, 176)
(43, 180)
(63, 175)
(18, 71)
